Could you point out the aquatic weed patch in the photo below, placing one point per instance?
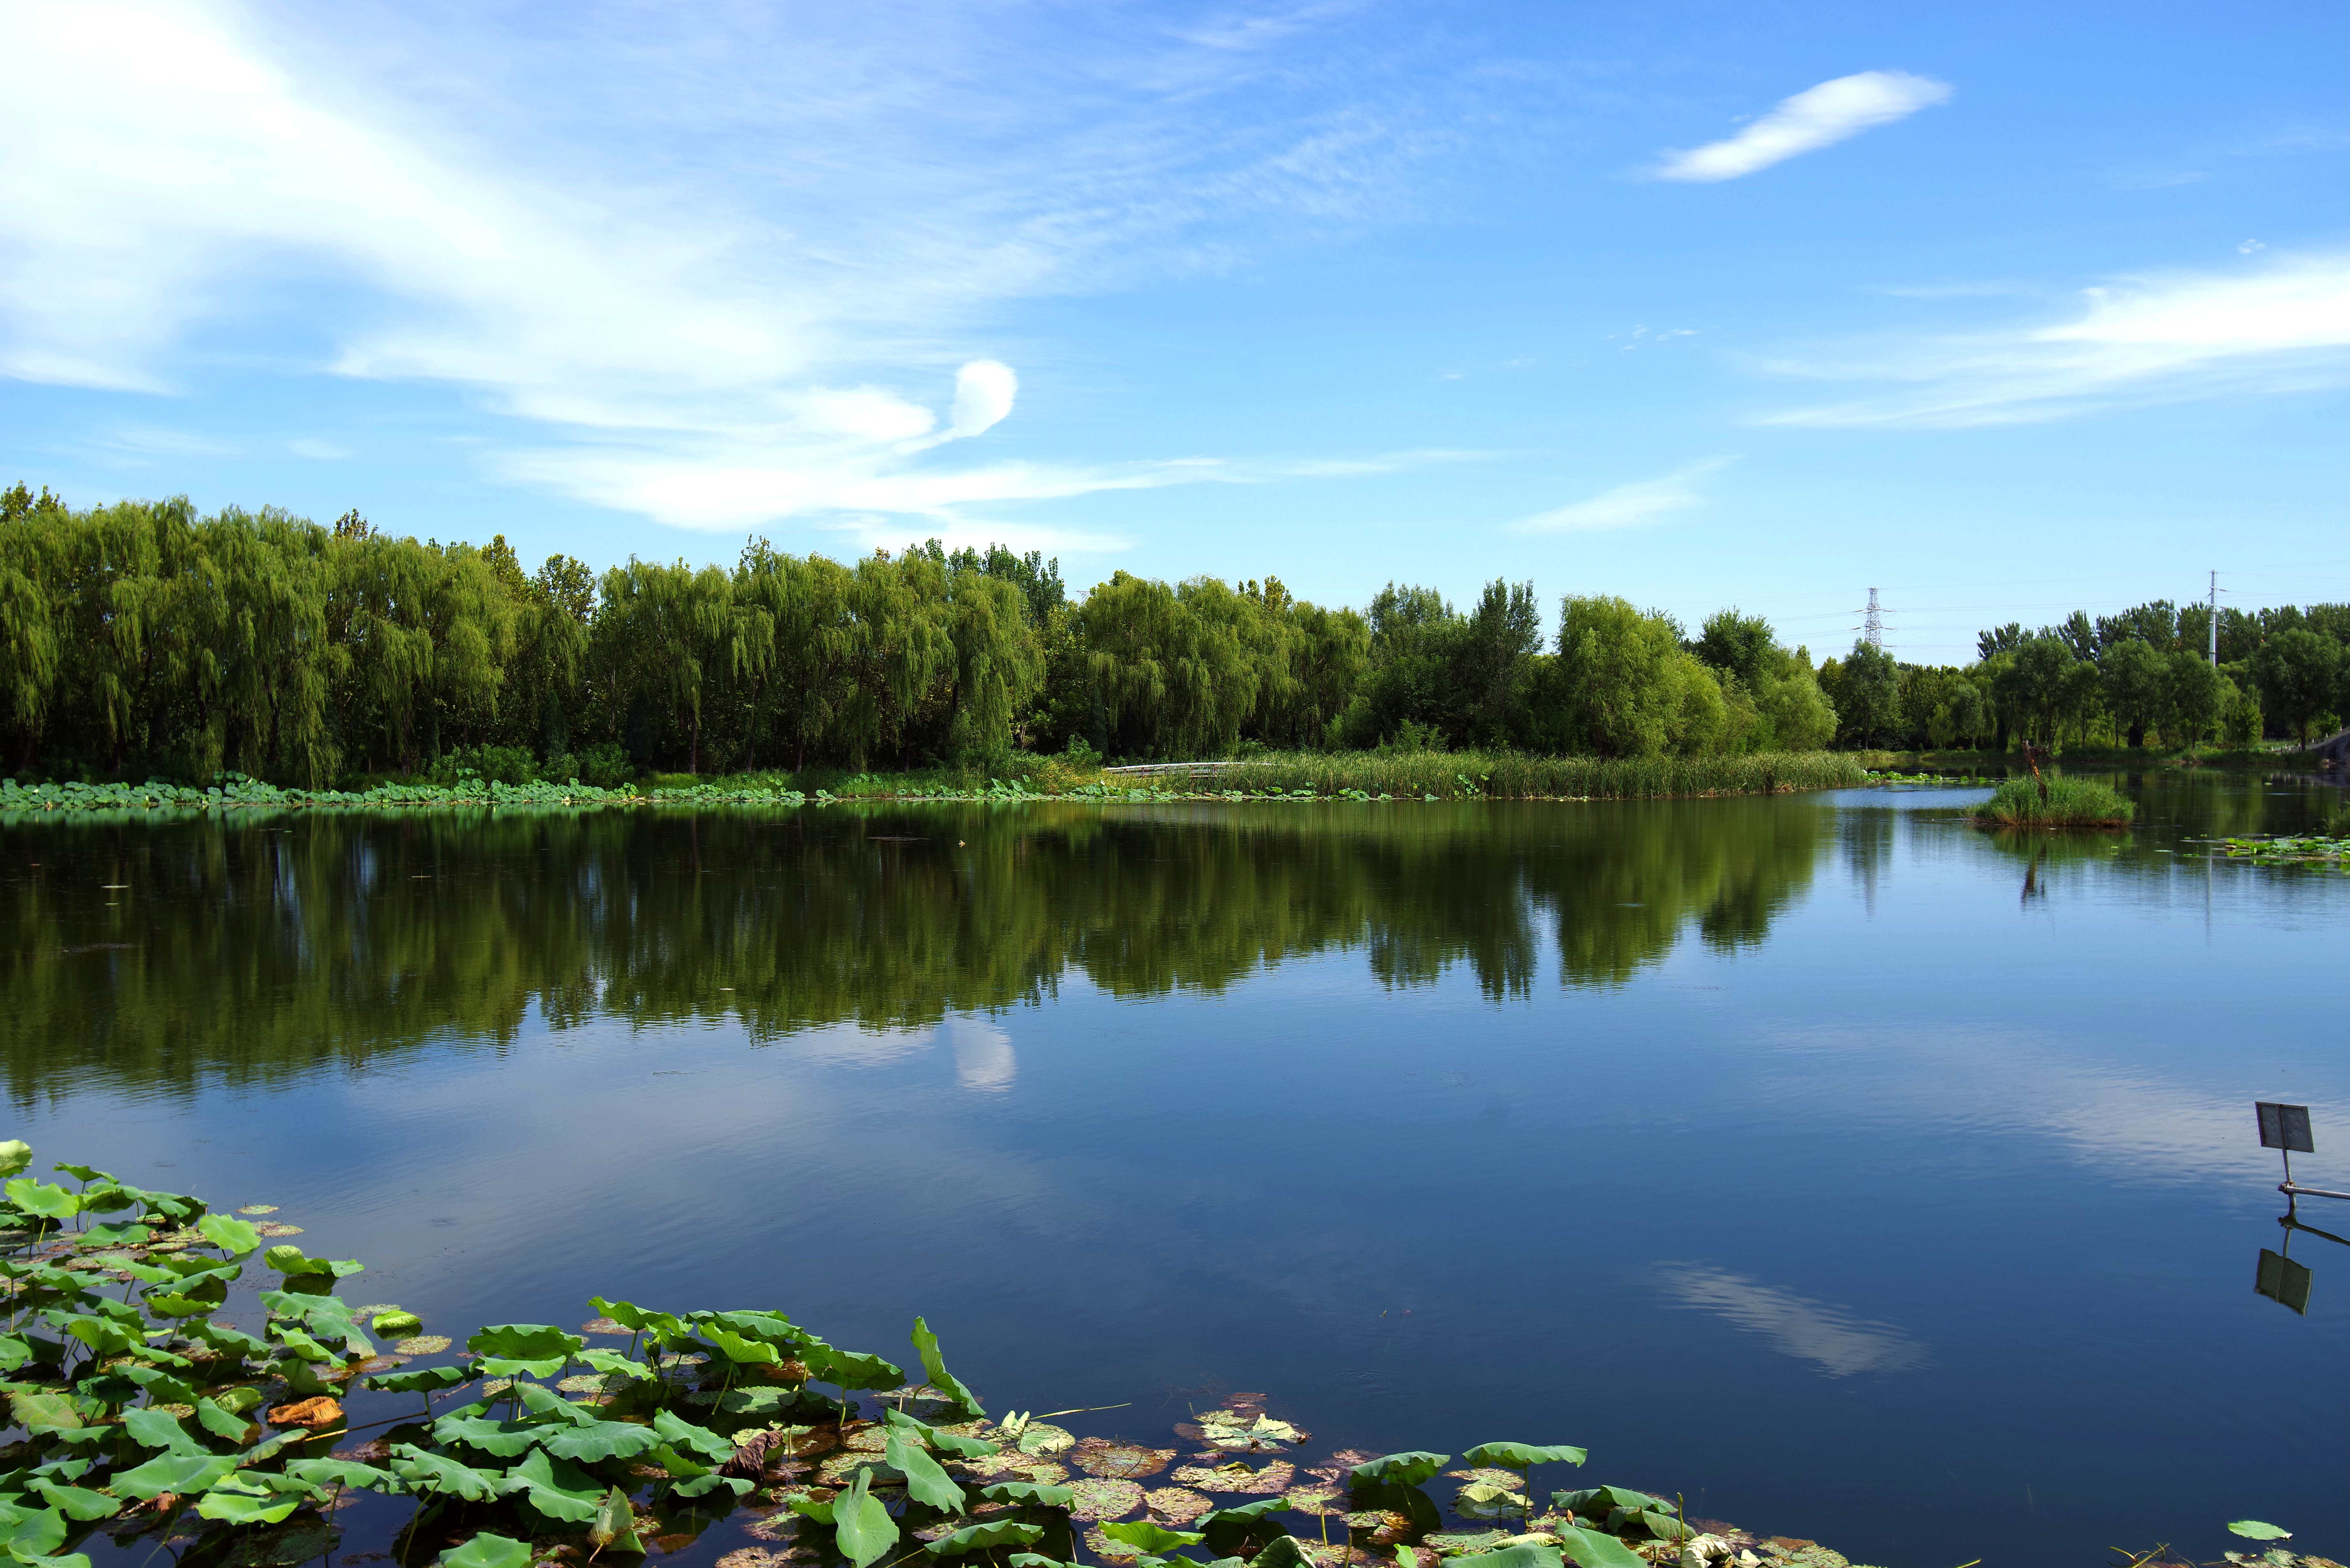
(2055, 802)
(139, 1411)
(2291, 848)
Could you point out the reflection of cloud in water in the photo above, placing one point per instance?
(1831, 1338)
(983, 1053)
(984, 1060)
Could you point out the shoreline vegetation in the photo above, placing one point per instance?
(137, 1409)
(140, 1415)
(1300, 776)
(2055, 801)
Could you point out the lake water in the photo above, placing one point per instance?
(1860, 1175)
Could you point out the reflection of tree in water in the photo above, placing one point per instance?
(258, 949)
(1866, 837)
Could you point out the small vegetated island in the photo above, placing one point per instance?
(148, 644)
(137, 1409)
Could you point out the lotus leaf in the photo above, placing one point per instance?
(524, 1349)
(1488, 1499)
(925, 1481)
(2255, 1529)
(1119, 1460)
(162, 1387)
(1150, 1537)
(684, 1434)
(15, 1155)
(394, 1323)
(129, 1235)
(180, 1473)
(544, 1405)
(505, 1440)
(170, 1303)
(76, 1503)
(1286, 1552)
(1522, 1457)
(256, 1497)
(423, 1344)
(1524, 1554)
(38, 1534)
(861, 1526)
(986, 1538)
(1407, 1468)
(1417, 1507)
(103, 1336)
(43, 1200)
(44, 1412)
(615, 1525)
(946, 1442)
(738, 1348)
(597, 1441)
(234, 1237)
(612, 1363)
(423, 1471)
(14, 1351)
(221, 1421)
(226, 1341)
(660, 1326)
(1027, 1494)
(1598, 1502)
(850, 1369)
(423, 1379)
(487, 1550)
(1242, 1531)
(1098, 1497)
(345, 1473)
(558, 1490)
(156, 1430)
(934, 1368)
(1590, 1548)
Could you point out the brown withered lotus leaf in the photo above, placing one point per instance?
(1043, 1439)
(1191, 1431)
(752, 1557)
(808, 1445)
(1381, 1523)
(868, 1440)
(422, 1344)
(374, 1307)
(1350, 1458)
(1333, 1553)
(1238, 1476)
(1490, 1476)
(1177, 1505)
(494, 1386)
(1110, 1551)
(272, 1228)
(374, 1451)
(1043, 1472)
(1314, 1500)
(676, 1540)
(836, 1471)
(1096, 1498)
(313, 1415)
(1119, 1460)
(606, 1326)
(582, 1382)
(252, 1209)
(648, 1473)
(375, 1364)
(750, 1460)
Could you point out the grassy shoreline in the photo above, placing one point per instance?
(1305, 775)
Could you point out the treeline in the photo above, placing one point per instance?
(2125, 680)
(141, 640)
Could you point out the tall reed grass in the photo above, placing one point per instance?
(1509, 775)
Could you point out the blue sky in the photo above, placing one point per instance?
(2002, 308)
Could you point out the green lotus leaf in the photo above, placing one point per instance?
(1408, 1469)
(161, 1387)
(255, 1498)
(396, 1323)
(1591, 1549)
(38, 1534)
(14, 1351)
(615, 1525)
(546, 1406)
(1282, 1551)
(1242, 1531)
(157, 1429)
(84, 1172)
(738, 1349)
(2255, 1529)
(556, 1489)
(234, 1237)
(15, 1155)
(1598, 1502)
(33, 1560)
(238, 1400)
(944, 1442)
(423, 1471)
(1396, 1497)
(219, 1421)
(1027, 1494)
(680, 1433)
(226, 1341)
(713, 1481)
(599, 1440)
(181, 1473)
(505, 1440)
(524, 1349)
(1524, 1554)
(986, 1538)
(1523, 1455)
(1151, 1538)
(925, 1481)
(423, 1379)
(129, 1235)
(43, 1200)
(487, 1550)
(816, 1509)
(660, 1326)
(934, 1368)
(40, 1413)
(343, 1473)
(850, 1368)
(861, 1526)
(773, 1327)
(103, 1336)
(74, 1502)
(170, 1303)
(298, 1343)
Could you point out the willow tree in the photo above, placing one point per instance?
(678, 632)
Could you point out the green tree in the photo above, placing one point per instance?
(2298, 672)
(2136, 684)
(2197, 690)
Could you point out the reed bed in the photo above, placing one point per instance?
(2070, 802)
(1509, 775)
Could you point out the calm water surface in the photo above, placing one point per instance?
(1858, 1174)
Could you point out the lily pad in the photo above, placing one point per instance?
(1042, 1438)
(619, 1330)
(1319, 1500)
(1178, 1504)
(1241, 1477)
(1119, 1460)
(422, 1344)
(258, 1209)
(272, 1228)
(754, 1557)
(1097, 1498)
(1465, 1543)
(1109, 1551)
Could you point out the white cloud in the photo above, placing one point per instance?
(1632, 505)
(1816, 117)
(2284, 327)
(721, 254)
(1828, 1336)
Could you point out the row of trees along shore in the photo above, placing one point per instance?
(143, 640)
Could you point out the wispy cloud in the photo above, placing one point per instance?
(728, 249)
(1830, 1338)
(2282, 327)
(1816, 117)
(1632, 505)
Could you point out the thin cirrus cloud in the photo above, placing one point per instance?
(1816, 117)
(736, 339)
(2280, 326)
(1830, 1338)
(1633, 505)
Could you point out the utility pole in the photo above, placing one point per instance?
(1873, 629)
(2215, 620)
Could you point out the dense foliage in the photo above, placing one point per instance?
(141, 640)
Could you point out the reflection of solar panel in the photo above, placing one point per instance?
(2283, 1281)
(2285, 1128)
